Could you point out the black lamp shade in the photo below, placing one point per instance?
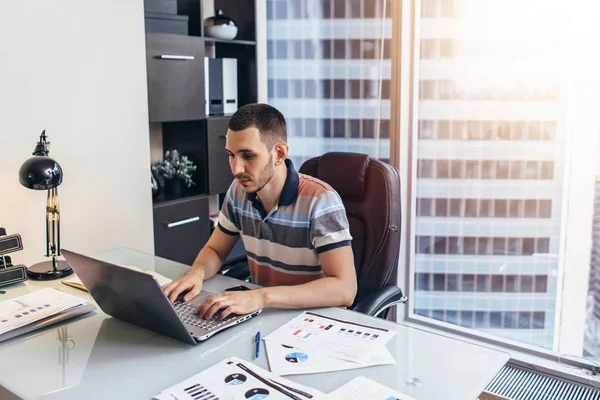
(40, 173)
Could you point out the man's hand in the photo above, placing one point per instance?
(239, 303)
(190, 282)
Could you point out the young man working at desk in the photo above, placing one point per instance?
(294, 227)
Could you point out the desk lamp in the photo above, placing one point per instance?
(41, 172)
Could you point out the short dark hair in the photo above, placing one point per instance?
(267, 119)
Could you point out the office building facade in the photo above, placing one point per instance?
(489, 161)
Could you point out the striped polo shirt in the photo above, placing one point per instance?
(283, 245)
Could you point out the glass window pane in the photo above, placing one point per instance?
(443, 169)
(524, 320)
(497, 283)
(515, 208)
(486, 208)
(540, 283)
(459, 130)
(426, 130)
(425, 207)
(452, 282)
(439, 282)
(496, 319)
(500, 208)
(423, 281)
(484, 246)
(443, 130)
(545, 208)
(466, 319)
(526, 284)
(441, 207)
(424, 245)
(528, 246)
(471, 208)
(512, 283)
(468, 283)
(488, 169)
(455, 207)
(454, 245)
(481, 319)
(483, 283)
(440, 245)
(509, 320)
(469, 245)
(426, 169)
(530, 208)
(499, 246)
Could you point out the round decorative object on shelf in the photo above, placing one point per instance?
(220, 27)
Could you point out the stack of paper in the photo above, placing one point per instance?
(237, 379)
(25, 313)
(313, 343)
(76, 282)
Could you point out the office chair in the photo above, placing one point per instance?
(370, 191)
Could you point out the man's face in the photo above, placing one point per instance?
(250, 161)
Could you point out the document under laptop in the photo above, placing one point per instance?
(137, 297)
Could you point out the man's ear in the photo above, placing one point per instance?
(281, 152)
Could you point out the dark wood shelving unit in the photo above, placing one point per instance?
(240, 42)
(176, 97)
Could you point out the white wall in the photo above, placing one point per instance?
(77, 69)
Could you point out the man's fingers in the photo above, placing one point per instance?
(192, 293)
(177, 290)
(215, 307)
(227, 312)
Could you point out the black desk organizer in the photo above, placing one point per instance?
(10, 273)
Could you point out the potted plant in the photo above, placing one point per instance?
(176, 170)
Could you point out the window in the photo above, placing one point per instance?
(510, 169)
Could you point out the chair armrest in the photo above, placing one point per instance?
(379, 301)
(238, 270)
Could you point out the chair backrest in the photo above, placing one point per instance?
(370, 190)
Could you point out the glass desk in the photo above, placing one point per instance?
(99, 357)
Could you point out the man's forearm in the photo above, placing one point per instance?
(325, 292)
(207, 262)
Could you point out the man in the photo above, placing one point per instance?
(294, 227)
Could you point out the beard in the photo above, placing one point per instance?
(265, 177)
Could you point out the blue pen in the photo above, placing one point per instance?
(257, 345)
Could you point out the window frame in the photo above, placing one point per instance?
(404, 135)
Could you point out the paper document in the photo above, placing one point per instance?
(234, 378)
(288, 360)
(76, 282)
(332, 337)
(361, 388)
(23, 310)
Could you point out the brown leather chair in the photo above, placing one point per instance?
(370, 190)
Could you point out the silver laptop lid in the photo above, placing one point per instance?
(129, 295)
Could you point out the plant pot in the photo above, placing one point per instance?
(155, 186)
(175, 187)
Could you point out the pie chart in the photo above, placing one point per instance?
(257, 394)
(296, 358)
(235, 379)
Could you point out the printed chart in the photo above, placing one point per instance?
(234, 378)
(287, 360)
(333, 337)
(23, 310)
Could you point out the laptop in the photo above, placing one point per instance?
(137, 298)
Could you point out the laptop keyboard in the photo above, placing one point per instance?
(187, 313)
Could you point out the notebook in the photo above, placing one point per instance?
(76, 282)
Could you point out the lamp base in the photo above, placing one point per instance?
(44, 271)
